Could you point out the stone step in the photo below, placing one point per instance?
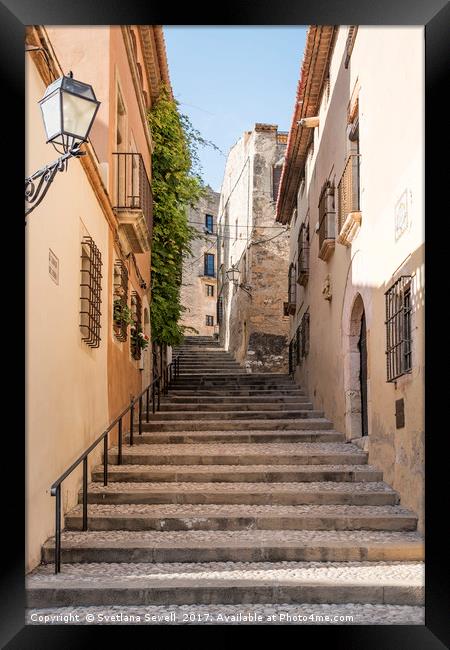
(216, 371)
(149, 438)
(192, 368)
(205, 414)
(239, 424)
(206, 356)
(395, 583)
(283, 494)
(241, 517)
(209, 384)
(285, 453)
(242, 473)
(230, 546)
(206, 400)
(258, 391)
(249, 378)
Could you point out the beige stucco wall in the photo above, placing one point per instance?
(388, 65)
(66, 381)
(76, 47)
(193, 289)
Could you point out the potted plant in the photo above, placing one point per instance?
(139, 340)
(122, 314)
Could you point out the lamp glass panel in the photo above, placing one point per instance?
(51, 115)
(78, 114)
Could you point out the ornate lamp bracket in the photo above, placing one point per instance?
(37, 185)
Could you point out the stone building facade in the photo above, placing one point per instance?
(253, 253)
(95, 222)
(352, 191)
(199, 277)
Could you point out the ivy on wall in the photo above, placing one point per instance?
(176, 185)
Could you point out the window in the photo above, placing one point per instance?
(349, 217)
(326, 221)
(120, 300)
(136, 311)
(303, 254)
(292, 290)
(210, 290)
(209, 223)
(209, 265)
(276, 176)
(219, 310)
(300, 341)
(398, 328)
(90, 296)
(352, 31)
(210, 320)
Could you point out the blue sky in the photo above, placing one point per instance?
(228, 78)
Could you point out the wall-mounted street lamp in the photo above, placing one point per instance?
(233, 275)
(68, 110)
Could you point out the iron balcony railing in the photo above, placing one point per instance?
(160, 385)
(132, 186)
(348, 189)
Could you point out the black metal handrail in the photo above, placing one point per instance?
(156, 387)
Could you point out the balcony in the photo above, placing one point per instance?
(327, 228)
(133, 200)
(303, 256)
(349, 216)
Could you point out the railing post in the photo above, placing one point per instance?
(153, 396)
(140, 415)
(148, 404)
(131, 421)
(105, 460)
(85, 495)
(58, 530)
(119, 459)
(159, 393)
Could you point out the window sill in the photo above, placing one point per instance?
(350, 228)
(326, 249)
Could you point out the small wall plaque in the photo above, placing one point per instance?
(53, 266)
(400, 413)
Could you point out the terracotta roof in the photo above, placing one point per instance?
(318, 48)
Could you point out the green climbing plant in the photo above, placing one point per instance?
(176, 185)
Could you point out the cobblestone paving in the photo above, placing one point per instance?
(186, 538)
(350, 614)
(205, 510)
(180, 487)
(240, 448)
(386, 573)
(237, 468)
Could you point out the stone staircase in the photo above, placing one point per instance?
(238, 491)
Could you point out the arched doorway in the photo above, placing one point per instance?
(356, 372)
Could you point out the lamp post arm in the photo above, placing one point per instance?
(35, 192)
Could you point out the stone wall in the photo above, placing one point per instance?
(194, 296)
(254, 328)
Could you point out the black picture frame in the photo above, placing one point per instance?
(435, 16)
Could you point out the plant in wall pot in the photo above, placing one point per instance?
(122, 314)
(139, 341)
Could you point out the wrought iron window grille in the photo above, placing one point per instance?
(303, 255)
(90, 297)
(136, 310)
(398, 328)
